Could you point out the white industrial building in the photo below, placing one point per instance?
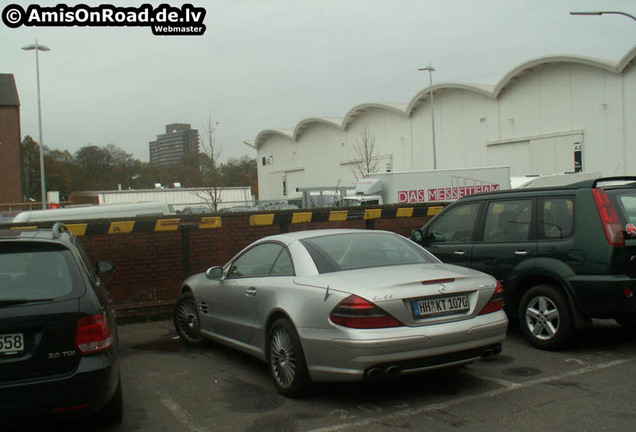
(549, 115)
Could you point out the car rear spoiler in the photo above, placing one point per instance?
(621, 180)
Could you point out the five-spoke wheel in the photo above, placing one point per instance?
(545, 317)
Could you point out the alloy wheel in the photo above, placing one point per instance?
(542, 318)
(188, 320)
(283, 357)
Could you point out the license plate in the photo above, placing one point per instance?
(440, 306)
(11, 344)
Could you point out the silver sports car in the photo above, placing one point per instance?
(331, 305)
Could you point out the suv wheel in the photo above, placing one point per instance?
(545, 317)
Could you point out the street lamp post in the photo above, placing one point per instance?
(36, 47)
(430, 70)
(604, 13)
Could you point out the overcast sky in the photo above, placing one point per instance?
(265, 64)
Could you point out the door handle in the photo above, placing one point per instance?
(250, 292)
(522, 253)
(459, 253)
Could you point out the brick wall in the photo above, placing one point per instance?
(10, 178)
(152, 263)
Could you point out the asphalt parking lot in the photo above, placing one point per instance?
(171, 387)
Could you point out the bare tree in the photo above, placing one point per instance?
(367, 160)
(209, 166)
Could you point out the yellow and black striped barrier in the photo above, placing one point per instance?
(284, 217)
(343, 215)
(100, 227)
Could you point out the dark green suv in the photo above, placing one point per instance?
(564, 254)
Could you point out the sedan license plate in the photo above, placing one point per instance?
(440, 306)
(11, 344)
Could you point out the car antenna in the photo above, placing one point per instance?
(327, 293)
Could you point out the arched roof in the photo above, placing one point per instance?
(264, 134)
(529, 66)
(493, 92)
(425, 94)
(354, 112)
(627, 60)
(308, 122)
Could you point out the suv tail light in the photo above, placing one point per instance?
(356, 312)
(609, 218)
(496, 301)
(93, 334)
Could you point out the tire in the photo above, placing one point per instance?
(112, 413)
(545, 318)
(286, 359)
(187, 321)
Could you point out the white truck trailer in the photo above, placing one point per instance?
(178, 198)
(443, 185)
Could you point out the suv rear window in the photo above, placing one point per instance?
(37, 271)
(626, 200)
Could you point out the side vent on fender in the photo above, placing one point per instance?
(203, 307)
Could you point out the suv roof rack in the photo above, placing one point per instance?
(57, 229)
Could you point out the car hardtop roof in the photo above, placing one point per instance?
(302, 235)
(602, 182)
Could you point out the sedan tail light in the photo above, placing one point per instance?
(93, 334)
(496, 302)
(356, 312)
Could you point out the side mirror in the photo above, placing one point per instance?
(214, 273)
(416, 236)
(105, 267)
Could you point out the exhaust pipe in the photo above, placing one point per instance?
(392, 371)
(490, 352)
(374, 373)
(378, 373)
(487, 353)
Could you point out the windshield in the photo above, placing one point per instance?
(350, 251)
(36, 271)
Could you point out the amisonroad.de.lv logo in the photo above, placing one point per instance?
(163, 20)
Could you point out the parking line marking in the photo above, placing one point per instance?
(465, 399)
(182, 415)
(502, 382)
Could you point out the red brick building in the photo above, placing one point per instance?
(10, 179)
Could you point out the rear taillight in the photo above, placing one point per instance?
(93, 334)
(609, 218)
(356, 312)
(496, 302)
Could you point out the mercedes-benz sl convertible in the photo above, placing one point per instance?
(343, 305)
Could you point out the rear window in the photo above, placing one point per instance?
(363, 250)
(37, 271)
(626, 201)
